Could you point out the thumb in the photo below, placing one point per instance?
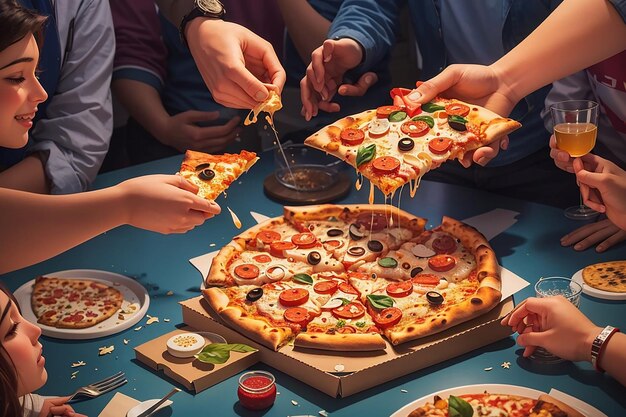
(182, 183)
(592, 179)
(200, 116)
(59, 400)
(327, 50)
(430, 89)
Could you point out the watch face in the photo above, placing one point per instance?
(210, 6)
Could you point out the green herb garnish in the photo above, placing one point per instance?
(303, 278)
(458, 407)
(380, 302)
(218, 353)
(365, 154)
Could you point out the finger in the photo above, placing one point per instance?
(582, 232)
(316, 70)
(613, 240)
(428, 90)
(484, 154)
(329, 107)
(61, 410)
(250, 89)
(467, 159)
(183, 184)
(275, 70)
(504, 143)
(195, 116)
(306, 97)
(594, 238)
(534, 338)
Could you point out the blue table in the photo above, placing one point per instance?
(530, 249)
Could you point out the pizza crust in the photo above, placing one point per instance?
(357, 342)
(571, 412)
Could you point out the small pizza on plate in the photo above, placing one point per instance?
(213, 174)
(346, 278)
(606, 276)
(397, 144)
(71, 303)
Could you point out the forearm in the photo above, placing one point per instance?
(574, 37)
(613, 360)
(30, 236)
(27, 175)
(305, 26)
(175, 10)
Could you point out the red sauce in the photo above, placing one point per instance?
(257, 390)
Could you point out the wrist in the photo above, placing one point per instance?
(202, 10)
(506, 83)
(588, 342)
(599, 345)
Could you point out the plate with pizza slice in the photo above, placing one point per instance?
(490, 399)
(82, 303)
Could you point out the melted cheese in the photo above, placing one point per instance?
(271, 105)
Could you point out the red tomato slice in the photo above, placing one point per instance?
(426, 279)
(348, 289)
(268, 236)
(383, 112)
(441, 263)
(349, 311)
(293, 297)
(386, 164)
(415, 129)
(440, 145)
(346, 330)
(297, 315)
(358, 275)
(277, 248)
(373, 221)
(352, 137)
(304, 240)
(399, 92)
(325, 287)
(387, 317)
(444, 244)
(263, 259)
(400, 289)
(247, 271)
(457, 109)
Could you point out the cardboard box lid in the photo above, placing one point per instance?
(189, 372)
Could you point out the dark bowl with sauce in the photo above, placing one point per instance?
(306, 169)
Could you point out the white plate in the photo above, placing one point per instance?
(132, 291)
(594, 292)
(143, 406)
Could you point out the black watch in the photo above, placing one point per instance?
(213, 9)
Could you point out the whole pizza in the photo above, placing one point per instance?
(348, 277)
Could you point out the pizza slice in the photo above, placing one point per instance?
(397, 144)
(271, 105)
(213, 174)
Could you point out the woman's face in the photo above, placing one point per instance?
(20, 91)
(20, 340)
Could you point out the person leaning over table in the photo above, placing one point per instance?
(70, 134)
(161, 203)
(22, 368)
(548, 322)
(449, 31)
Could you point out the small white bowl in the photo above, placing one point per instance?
(185, 345)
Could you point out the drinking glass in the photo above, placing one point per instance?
(575, 128)
(549, 287)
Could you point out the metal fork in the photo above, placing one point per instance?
(100, 387)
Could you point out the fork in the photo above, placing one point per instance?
(100, 387)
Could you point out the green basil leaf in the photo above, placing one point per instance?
(426, 119)
(217, 357)
(456, 118)
(365, 154)
(432, 107)
(344, 301)
(388, 262)
(218, 353)
(380, 302)
(303, 278)
(340, 323)
(360, 324)
(397, 116)
(458, 407)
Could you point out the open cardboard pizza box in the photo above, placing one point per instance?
(340, 374)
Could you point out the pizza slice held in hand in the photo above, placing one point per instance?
(213, 174)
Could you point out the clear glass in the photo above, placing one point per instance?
(575, 129)
(549, 287)
(306, 169)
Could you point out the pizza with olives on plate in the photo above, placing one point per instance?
(397, 144)
(348, 277)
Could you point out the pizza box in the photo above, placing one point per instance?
(192, 374)
(340, 374)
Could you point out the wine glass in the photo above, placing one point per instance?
(575, 128)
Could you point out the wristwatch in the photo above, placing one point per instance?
(599, 344)
(213, 9)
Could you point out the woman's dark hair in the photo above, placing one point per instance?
(17, 22)
(10, 405)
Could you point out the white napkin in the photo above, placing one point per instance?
(580, 405)
(494, 222)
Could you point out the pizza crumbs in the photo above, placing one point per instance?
(105, 350)
(151, 320)
(77, 364)
(488, 369)
(294, 402)
(137, 328)
(126, 341)
(323, 413)
(506, 365)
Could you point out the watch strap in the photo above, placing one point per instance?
(599, 345)
(197, 11)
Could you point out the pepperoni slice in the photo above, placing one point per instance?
(349, 311)
(348, 289)
(457, 109)
(440, 145)
(49, 300)
(358, 275)
(386, 164)
(262, 259)
(293, 297)
(247, 271)
(352, 136)
(400, 289)
(383, 112)
(325, 287)
(304, 240)
(444, 244)
(415, 129)
(297, 315)
(388, 317)
(277, 248)
(426, 279)
(441, 263)
(268, 236)
(373, 221)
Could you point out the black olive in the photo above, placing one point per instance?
(206, 174)
(375, 246)
(457, 123)
(205, 165)
(416, 270)
(254, 294)
(356, 251)
(314, 258)
(355, 233)
(434, 297)
(406, 144)
(334, 232)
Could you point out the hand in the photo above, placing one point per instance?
(477, 84)
(588, 235)
(603, 187)
(164, 204)
(325, 73)
(555, 324)
(561, 158)
(57, 407)
(182, 132)
(237, 65)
